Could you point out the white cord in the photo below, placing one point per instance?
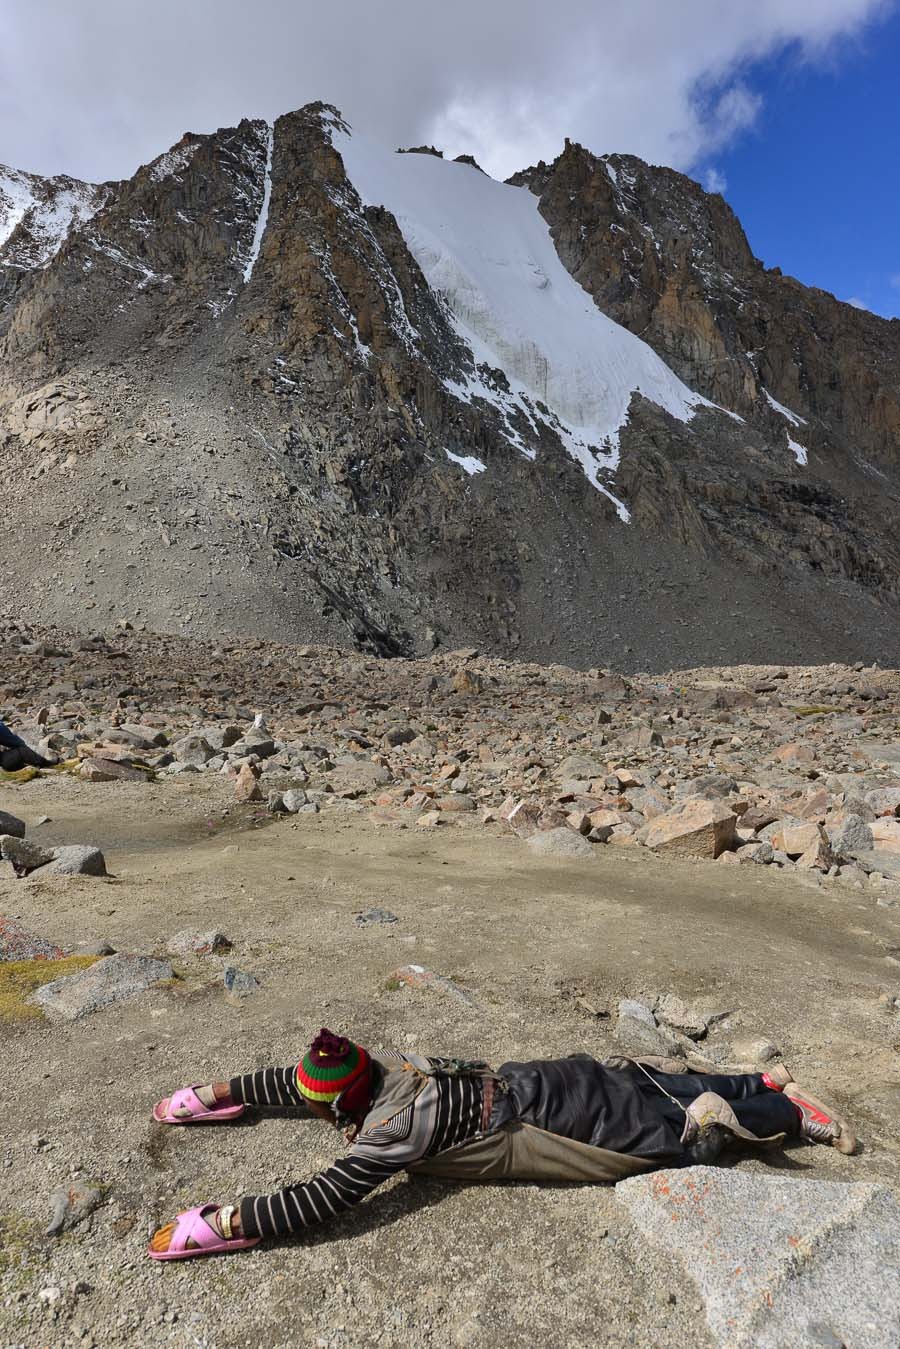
(649, 1075)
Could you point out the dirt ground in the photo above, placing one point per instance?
(421, 1262)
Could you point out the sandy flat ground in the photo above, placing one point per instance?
(421, 1262)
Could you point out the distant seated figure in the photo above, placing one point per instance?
(572, 1119)
(15, 754)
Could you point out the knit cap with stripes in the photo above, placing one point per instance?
(331, 1064)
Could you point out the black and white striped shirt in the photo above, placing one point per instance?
(445, 1113)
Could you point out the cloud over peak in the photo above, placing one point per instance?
(96, 88)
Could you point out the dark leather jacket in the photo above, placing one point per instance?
(579, 1098)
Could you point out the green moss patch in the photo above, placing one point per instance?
(20, 775)
(18, 1241)
(20, 978)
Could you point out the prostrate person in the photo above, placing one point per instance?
(572, 1119)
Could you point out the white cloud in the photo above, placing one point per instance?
(97, 87)
(858, 303)
(714, 181)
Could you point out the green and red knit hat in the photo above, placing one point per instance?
(331, 1065)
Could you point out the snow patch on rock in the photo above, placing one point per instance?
(263, 217)
(173, 162)
(47, 209)
(467, 462)
(793, 417)
(487, 252)
(16, 198)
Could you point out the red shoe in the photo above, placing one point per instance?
(778, 1077)
(818, 1123)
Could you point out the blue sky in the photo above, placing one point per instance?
(816, 180)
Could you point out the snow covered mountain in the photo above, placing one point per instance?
(37, 215)
(484, 248)
(289, 381)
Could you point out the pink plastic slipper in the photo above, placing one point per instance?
(187, 1100)
(191, 1226)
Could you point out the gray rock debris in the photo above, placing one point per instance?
(239, 983)
(560, 843)
(193, 749)
(637, 1032)
(355, 779)
(111, 980)
(75, 860)
(672, 1012)
(11, 824)
(753, 1049)
(375, 916)
(851, 836)
(294, 800)
(24, 856)
(190, 942)
(779, 1264)
(71, 1203)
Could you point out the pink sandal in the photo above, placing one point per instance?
(192, 1226)
(187, 1100)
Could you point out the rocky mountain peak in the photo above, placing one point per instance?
(671, 262)
(286, 379)
(36, 217)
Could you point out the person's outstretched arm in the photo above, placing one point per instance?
(345, 1183)
(268, 1087)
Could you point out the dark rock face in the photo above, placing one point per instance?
(671, 262)
(224, 402)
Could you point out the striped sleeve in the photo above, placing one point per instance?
(269, 1087)
(343, 1184)
(445, 1113)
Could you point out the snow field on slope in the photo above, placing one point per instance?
(49, 219)
(797, 450)
(16, 198)
(793, 417)
(485, 248)
(263, 217)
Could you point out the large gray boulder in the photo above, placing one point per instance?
(11, 824)
(254, 742)
(850, 835)
(356, 779)
(879, 861)
(221, 737)
(581, 766)
(779, 1264)
(111, 980)
(24, 856)
(76, 859)
(294, 800)
(638, 1034)
(560, 843)
(884, 800)
(193, 749)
